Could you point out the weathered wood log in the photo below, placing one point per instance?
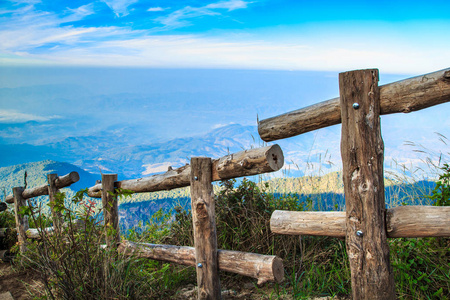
(60, 183)
(52, 191)
(308, 223)
(418, 221)
(205, 234)
(110, 209)
(243, 163)
(265, 268)
(402, 96)
(362, 152)
(401, 222)
(4, 232)
(21, 220)
(35, 233)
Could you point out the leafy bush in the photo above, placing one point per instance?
(72, 263)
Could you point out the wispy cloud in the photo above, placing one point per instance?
(120, 7)
(156, 9)
(179, 18)
(12, 116)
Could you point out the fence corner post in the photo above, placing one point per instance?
(204, 223)
(362, 153)
(21, 220)
(52, 191)
(110, 210)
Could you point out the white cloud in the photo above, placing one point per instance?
(179, 17)
(216, 126)
(230, 5)
(119, 7)
(12, 116)
(155, 9)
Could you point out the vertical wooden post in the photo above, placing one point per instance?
(362, 153)
(52, 191)
(110, 210)
(21, 221)
(205, 235)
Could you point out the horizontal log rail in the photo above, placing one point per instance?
(262, 267)
(35, 233)
(402, 221)
(243, 163)
(402, 96)
(4, 232)
(42, 190)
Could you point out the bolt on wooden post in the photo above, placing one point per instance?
(362, 153)
(21, 220)
(110, 210)
(52, 191)
(205, 235)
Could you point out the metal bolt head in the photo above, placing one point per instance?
(199, 265)
(359, 233)
(355, 105)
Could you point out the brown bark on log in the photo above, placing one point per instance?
(308, 223)
(4, 232)
(362, 157)
(265, 268)
(52, 191)
(110, 210)
(418, 221)
(401, 222)
(205, 235)
(60, 183)
(402, 96)
(35, 233)
(21, 220)
(243, 163)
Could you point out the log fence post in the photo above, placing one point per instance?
(110, 210)
(362, 153)
(204, 223)
(52, 191)
(21, 220)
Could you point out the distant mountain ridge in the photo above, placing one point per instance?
(13, 176)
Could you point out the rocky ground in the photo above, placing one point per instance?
(20, 283)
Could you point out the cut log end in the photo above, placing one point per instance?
(278, 269)
(275, 157)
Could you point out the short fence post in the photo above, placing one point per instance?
(21, 220)
(205, 235)
(362, 153)
(110, 210)
(52, 191)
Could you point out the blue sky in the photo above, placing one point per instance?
(407, 37)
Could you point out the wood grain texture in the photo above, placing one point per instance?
(418, 221)
(243, 163)
(204, 223)
(110, 210)
(52, 191)
(401, 222)
(21, 221)
(265, 268)
(362, 152)
(60, 183)
(402, 96)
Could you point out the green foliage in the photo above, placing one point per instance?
(72, 263)
(441, 193)
(421, 267)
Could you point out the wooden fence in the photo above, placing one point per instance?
(366, 224)
(199, 175)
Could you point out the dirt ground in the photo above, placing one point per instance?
(19, 283)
